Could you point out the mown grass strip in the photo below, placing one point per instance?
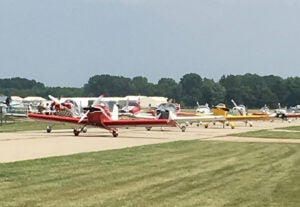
(185, 173)
(292, 132)
(292, 128)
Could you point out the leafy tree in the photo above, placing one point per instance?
(64, 92)
(191, 89)
(108, 85)
(249, 89)
(168, 87)
(142, 87)
(232, 84)
(213, 93)
(293, 88)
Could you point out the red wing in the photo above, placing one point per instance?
(137, 122)
(56, 118)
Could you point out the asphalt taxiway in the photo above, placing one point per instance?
(26, 145)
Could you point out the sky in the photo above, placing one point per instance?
(65, 42)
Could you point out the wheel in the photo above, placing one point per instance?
(183, 128)
(115, 133)
(148, 128)
(48, 129)
(232, 126)
(76, 132)
(206, 125)
(84, 130)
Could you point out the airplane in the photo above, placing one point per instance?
(181, 119)
(161, 112)
(287, 114)
(67, 108)
(99, 115)
(263, 110)
(203, 109)
(238, 110)
(130, 109)
(12, 108)
(240, 115)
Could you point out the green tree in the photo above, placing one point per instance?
(213, 93)
(191, 89)
(168, 87)
(293, 88)
(108, 85)
(141, 86)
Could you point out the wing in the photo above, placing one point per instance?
(247, 117)
(196, 119)
(137, 122)
(56, 118)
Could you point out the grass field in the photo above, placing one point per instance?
(184, 173)
(292, 132)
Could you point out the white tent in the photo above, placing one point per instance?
(147, 101)
(34, 99)
(16, 98)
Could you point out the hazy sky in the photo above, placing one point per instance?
(65, 42)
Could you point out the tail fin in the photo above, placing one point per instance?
(115, 113)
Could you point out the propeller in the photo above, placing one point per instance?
(97, 100)
(55, 100)
(240, 110)
(60, 105)
(92, 106)
(83, 116)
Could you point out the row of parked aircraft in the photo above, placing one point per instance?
(166, 114)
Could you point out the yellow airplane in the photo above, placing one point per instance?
(222, 110)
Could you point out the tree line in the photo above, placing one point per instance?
(252, 90)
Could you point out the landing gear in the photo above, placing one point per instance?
(76, 132)
(148, 128)
(183, 128)
(115, 133)
(83, 129)
(206, 125)
(48, 129)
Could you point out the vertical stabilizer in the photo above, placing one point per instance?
(115, 113)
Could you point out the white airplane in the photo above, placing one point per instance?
(203, 109)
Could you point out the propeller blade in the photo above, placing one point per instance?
(83, 116)
(97, 100)
(54, 99)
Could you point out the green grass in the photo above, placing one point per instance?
(292, 128)
(185, 173)
(25, 124)
(292, 132)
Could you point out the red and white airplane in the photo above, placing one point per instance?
(99, 115)
(130, 108)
